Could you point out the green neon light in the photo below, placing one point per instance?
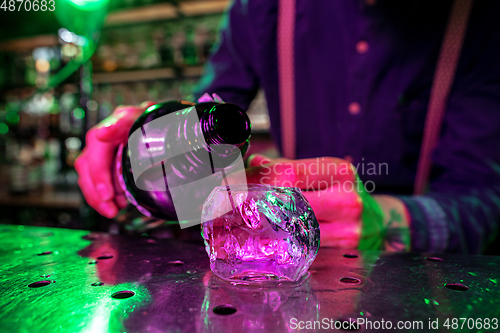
(89, 4)
(78, 113)
(12, 117)
(4, 129)
(80, 307)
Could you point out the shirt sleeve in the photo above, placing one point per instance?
(229, 71)
(460, 223)
(461, 212)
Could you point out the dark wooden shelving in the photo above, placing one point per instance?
(147, 74)
(56, 199)
(164, 11)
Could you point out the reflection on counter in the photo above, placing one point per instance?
(103, 283)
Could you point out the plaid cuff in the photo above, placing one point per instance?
(429, 228)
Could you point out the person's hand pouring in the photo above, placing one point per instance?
(95, 165)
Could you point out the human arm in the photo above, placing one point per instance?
(349, 216)
(230, 71)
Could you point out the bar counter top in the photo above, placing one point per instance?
(61, 280)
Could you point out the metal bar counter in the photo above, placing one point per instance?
(59, 280)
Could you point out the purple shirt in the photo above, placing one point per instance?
(363, 77)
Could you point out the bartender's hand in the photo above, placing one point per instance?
(349, 216)
(95, 165)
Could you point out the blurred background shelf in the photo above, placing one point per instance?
(29, 43)
(21, 24)
(131, 76)
(60, 199)
(147, 75)
(164, 11)
(148, 50)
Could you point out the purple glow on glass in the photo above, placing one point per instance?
(177, 172)
(201, 162)
(205, 128)
(144, 211)
(130, 198)
(185, 129)
(270, 233)
(217, 98)
(196, 133)
(193, 164)
(205, 98)
(121, 182)
(250, 213)
(179, 130)
(211, 124)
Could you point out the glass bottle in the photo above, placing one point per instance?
(177, 153)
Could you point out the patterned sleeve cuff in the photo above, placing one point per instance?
(429, 229)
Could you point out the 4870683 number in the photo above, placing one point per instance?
(471, 323)
(28, 5)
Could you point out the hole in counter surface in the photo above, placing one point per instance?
(350, 280)
(350, 255)
(456, 286)
(104, 257)
(123, 294)
(39, 284)
(176, 263)
(224, 310)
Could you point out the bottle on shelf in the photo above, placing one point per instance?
(178, 42)
(51, 165)
(18, 170)
(189, 50)
(201, 41)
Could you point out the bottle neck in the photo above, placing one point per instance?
(226, 124)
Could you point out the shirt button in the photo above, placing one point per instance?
(354, 108)
(362, 46)
(348, 158)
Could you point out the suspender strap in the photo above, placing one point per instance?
(286, 72)
(440, 90)
(441, 85)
